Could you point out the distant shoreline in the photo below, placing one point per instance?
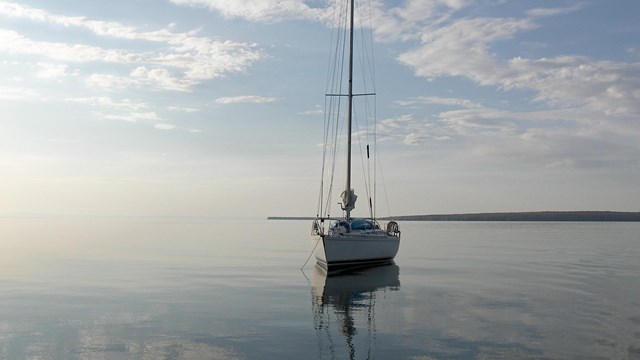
(594, 216)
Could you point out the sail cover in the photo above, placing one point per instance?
(348, 200)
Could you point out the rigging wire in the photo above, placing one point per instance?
(365, 57)
(374, 116)
(311, 253)
(384, 187)
(336, 101)
(363, 163)
(334, 108)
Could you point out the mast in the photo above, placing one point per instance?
(350, 110)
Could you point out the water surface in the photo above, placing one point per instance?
(160, 288)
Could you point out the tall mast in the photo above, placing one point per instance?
(350, 97)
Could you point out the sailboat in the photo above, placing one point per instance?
(348, 241)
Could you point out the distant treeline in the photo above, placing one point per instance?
(508, 216)
(530, 216)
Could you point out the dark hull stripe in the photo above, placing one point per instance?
(335, 265)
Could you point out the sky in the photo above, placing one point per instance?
(214, 107)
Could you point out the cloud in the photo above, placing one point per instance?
(413, 139)
(462, 49)
(585, 104)
(259, 10)
(51, 71)
(553, 138)
(108, 81)
(160, 78)
(575, 94)
(388, 23)
(610, 88)
(183, 109)
(102, 28)
(557, 147)
(18, 93)
(141, 76)
(312, 112)
(407, 21)
(13, 43)
(252, 99)
(411, 130)
(106, 101)
(164, 126)
(542, 12)
(179, 61)
(130, 117)
(436, 100)
(149, 117)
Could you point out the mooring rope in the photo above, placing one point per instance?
(309, 257)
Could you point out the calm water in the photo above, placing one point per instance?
(214, 289)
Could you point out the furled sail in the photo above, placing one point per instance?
(348, 200)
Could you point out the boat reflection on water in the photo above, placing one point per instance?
(344, 309)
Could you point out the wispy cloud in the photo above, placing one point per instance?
(196, 58)
(129, 111)
(106, 101)
(259, 10)
(542, 12)
(552, 138)
(582, 103)
(160, 78)
(131, 117)
(413, 131)
(183, 109)
(389, 23)
(18, 93)
(52, 71)
(462, 49)
(13, 43)
(317, 111)
(244, 99)
(436, 100)
(108, 81)
(164, 126)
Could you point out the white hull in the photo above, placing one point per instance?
(355, 248)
